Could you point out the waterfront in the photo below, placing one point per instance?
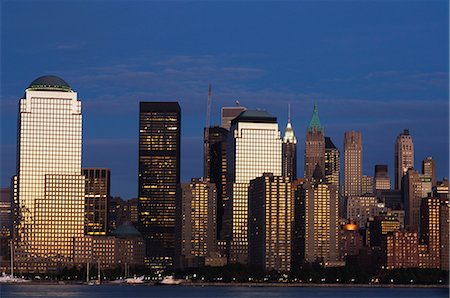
(110, 291)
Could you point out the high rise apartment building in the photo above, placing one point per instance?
(50, 187)
(270, 223)
(404, 156)
(314, 145)
(254, 148)
(159, 178)
(352, 163)
(97, 195)
(198, 226)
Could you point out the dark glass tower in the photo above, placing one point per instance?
(159, 178)
(96, 199)
(215, 168)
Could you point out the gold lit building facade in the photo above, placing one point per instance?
(403, 156)
(332, 163)
(159, 178)
(352, 163)
(97, 194)
(49, 185)
(198, 227)
(271, 218)
(254, 148)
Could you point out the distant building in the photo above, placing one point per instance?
(381, 178)
(444, 232)
(289, 151)
(404, 156)
(441, 189)
(314, 145)
(352, 163)
(229, 113)
(351, 241)
(198, 227)
(159, 178)
(270, 223)
(254, 148)
(215, 168)
(321, 219)
(6, 223)
(430, 235)
(429, 169)
(361, 208)
(367, 184)
(96, 198)
(298, 227)
(392, 198)
(133, 206)
(332, 163)
(402, 250)
(379, 227)
(50, 187)
(119, 213)
(414, 187)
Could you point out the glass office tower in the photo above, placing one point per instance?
(159, 178)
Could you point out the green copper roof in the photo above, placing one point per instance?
(315, 121)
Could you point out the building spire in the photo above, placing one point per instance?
(289, 136)
(289, 113)
(315, 121)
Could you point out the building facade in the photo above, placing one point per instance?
(361, 208)
(289, 151)
(332, 163)
(96, 197)
(270, 223)
(50, 187)
(429, 169)
(254, 148)
(159, 178)
(321, 219)
(403, 156)
(198, 227)
(215, 168)
(402, 250)
(381, 178)
(229, 113)
(314, 145)
(352, 163)
(367, 185)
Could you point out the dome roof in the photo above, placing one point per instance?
(49, 83)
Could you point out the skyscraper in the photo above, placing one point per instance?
(321, 219)
(404, 156)
(352, 163)
(332, 163)
(289, 151)
(198, 226)
(414, 187)
(215, 168)
(314, 145)
(430, 228)
(254, 148)
(381, 178)
(270, 223)
(159, 178)
(97, 195)
(429, 169)
(229, 113)
(50, 187)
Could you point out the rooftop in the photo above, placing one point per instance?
(257, 116)
(49, 83)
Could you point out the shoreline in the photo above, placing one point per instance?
(243, 284)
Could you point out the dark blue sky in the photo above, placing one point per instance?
(373, 66)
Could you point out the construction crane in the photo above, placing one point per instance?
(206, 158)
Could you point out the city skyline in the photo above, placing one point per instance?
(415, 94)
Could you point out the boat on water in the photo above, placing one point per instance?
(5, 278)
(169, 281)
(135, 280)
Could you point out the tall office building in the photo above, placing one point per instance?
(270, 222)
(289, 151)
(404, 156)
(332, 163)
(50, 187)
(229, 113)
(254, 148)
(367, 184)
(429, 169)
(321, 219)
(97, 195)
(198, 226)
(215, 168)
(430, 229)
(314, 145)
(414, 187)
(159, 178)
(6, 223)
(298, 227)
(381, 178)
(444, 230)
(352, 163)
